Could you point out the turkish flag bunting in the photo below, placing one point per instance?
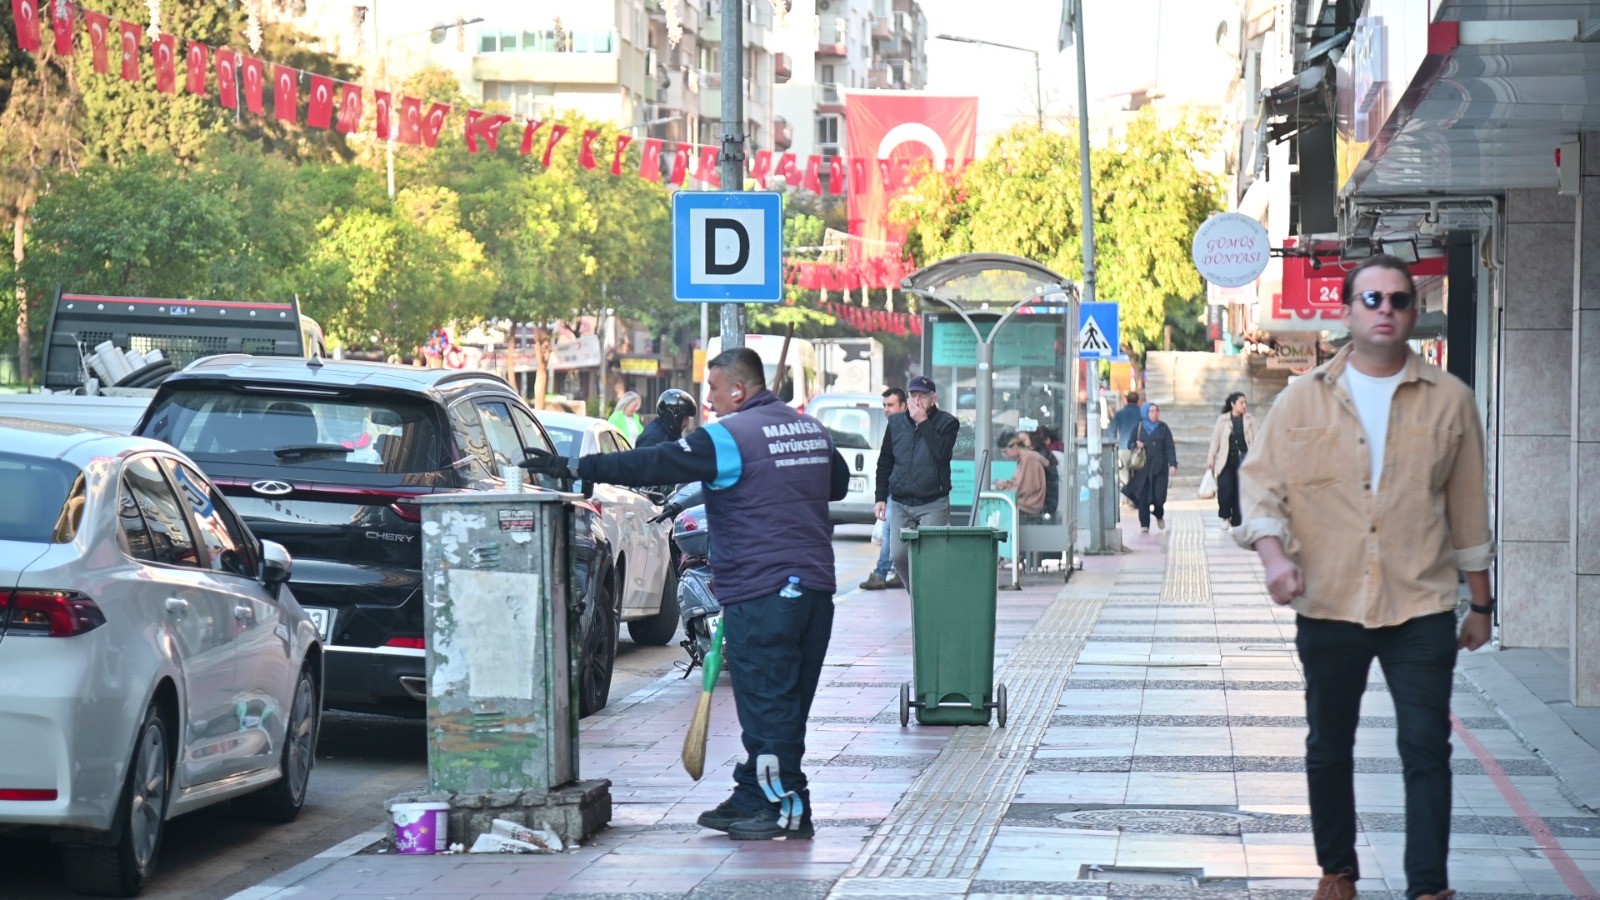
(527, 135)
(487, 127)
(810, 276)
(410, 120)
(130, 51)
(650, 160)
(586, 151)
(557, 132)
(886, 172)
(227, 78)
(98, 24)
(285, 93)
(349, 110)
(760, 166)
(788, 170)
(385, 104)
(813, 170)
(858, 171)
(197, 67)
(319, 110)
(707, 171)
(623, 141)
(680, 165)
(164, 50)
(835, 174)
(26, 13)
(253, 72)
(433, 123)
(61, 23)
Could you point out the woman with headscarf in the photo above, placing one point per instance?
(1230, 439)
(1149, 486)
(626, 417)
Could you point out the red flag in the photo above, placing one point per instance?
(164, 51)
(786, 167)
(760, 165)
(130, 51)
(485, 126)
(385, 127)
(895, 126)
(650, 160)
(433, 123)
(680, 165)
(813, 169)
(836, 179)
(586, 152)
(285, 93)
(527, 135)
(885, 175)
(707, 171)
(557, 132)
(319, 110)
(623, 140)
(254, 74)
(227, 78)
(810, 276)
(349, 110)
(99, 24)
(26, 13)
(197, 67)
(61, 23)
(410, 120)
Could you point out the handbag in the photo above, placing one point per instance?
(1208, 486)
(1136, 459)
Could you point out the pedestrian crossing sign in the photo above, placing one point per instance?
(1098, 336)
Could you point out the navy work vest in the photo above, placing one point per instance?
(768, 507)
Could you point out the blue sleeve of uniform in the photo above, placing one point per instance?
(693, 458)
(729, 464)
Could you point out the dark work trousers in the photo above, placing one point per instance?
(1228, 492)
(1153, 495)
(773, 647)
(1418, 659)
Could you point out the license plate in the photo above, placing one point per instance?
(858, 483)
(322, 618)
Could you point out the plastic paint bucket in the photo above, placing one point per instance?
(420, 827)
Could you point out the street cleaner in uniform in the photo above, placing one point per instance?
(769, 472)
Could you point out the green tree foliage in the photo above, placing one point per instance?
(1023, 199)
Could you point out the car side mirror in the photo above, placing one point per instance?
(276, 564)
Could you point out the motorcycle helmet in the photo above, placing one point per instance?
(675, 407)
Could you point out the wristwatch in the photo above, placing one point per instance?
(1487, 609)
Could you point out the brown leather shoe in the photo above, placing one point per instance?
(1446, 894)
(1336, 887)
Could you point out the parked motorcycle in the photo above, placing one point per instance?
(691, 541)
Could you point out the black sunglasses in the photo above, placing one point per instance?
(1399, 301)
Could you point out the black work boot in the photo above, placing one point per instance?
(764, 827)
(721, 818)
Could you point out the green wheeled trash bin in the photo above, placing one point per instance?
(953, 579)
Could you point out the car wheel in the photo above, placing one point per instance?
(597, 654)
(122, 869)
(659, 629)
(280, 801)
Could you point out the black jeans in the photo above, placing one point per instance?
(773, 647)
(1228, 492)
(1418, 659)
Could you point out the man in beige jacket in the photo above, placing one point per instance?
(1365, 496)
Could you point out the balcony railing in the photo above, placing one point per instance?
(782, 134)
(782, 67)
(836, 48)
(829, 94)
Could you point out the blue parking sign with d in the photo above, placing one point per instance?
(727, 246)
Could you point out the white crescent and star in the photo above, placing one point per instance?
(27, 12)
(913, 133)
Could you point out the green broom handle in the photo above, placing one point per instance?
(713, 665)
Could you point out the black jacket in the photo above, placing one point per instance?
(653, 434)
(1160, 451)
(914, 462)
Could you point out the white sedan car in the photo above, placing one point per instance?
(152, 661)
(649, 601)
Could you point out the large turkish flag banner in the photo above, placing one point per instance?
(900, 127)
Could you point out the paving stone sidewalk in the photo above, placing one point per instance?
(1153, 750)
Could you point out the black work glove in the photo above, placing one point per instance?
(543, 462)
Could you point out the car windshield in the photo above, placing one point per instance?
(853, 427)
(36, 492)
(359, 434)
(567, 441)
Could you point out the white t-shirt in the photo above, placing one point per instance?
(1373, 397)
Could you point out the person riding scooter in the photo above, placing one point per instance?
(674, 409)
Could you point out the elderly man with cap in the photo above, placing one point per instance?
(914, 467)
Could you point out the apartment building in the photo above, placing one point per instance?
(837, 45)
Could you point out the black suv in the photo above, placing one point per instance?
(328, 457)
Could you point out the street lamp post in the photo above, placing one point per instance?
(1038, 94)
(388, 150)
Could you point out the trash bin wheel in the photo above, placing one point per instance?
(1000, 704)
(905, 704)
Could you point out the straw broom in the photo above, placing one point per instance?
(694, 743)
